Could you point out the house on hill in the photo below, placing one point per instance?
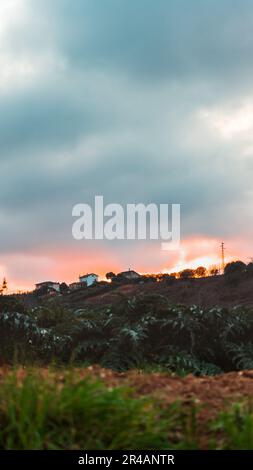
(130, 275)
(88, 279)
(127, 276)
(48, 286)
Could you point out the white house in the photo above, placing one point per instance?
(88, 279)
(49, 285)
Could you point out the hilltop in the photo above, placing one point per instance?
(204, 291)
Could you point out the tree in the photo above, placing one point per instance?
(63, 287)
(200, 271)
(214, 270)
(234, 272)
(4, 285)
(186, 274)
(110, 275)
(235, 267)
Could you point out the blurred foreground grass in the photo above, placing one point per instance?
(59, 410)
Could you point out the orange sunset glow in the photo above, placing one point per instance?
(67, 266)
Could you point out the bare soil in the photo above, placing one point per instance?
(210, 395)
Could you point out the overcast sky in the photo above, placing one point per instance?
(136, 100)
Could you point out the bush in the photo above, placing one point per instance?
(235, 272)
(10, 303)
(133, 332)
(22, 340)
(186, 274)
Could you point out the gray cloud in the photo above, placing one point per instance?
(122, 115)
(155, 40)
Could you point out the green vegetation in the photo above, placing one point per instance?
(138, 332)
(42, 409)
(236, 427)
(63, 409)
(38, 413)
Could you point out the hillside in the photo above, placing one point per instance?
(206, 292)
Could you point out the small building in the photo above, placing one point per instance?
(88, 279)
(48, 285)
(127, 276)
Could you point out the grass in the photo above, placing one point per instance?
(70, 414)
(236, 427)
(58, 410)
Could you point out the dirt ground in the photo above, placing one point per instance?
(212, 391)
(210, 395)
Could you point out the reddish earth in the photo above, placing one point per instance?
(210, 395)
(213, 391)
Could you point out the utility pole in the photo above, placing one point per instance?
(222, 258)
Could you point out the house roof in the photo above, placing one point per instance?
(46, 282)
(124, 273)
(87, 275)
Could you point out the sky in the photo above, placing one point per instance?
(138, 101)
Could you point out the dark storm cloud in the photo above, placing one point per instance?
(151, 40)
(119, 116)
(47, 116)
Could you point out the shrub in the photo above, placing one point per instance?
(235, 271)
(186, 274)
(11, 304)
(23, 340)
(133, 332)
